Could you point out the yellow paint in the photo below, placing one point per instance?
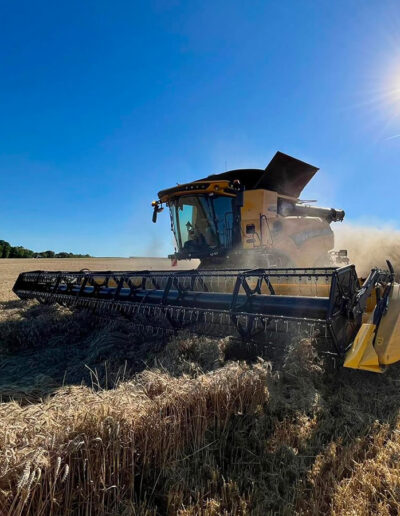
(362, 354)
(300, 289)
(372, 356)
(258, 205)
(371, 302)
(217, 187)
(387, 343)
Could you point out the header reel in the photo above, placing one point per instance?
(327, 303)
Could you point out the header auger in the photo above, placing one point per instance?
(267, 269)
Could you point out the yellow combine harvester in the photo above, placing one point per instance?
(251, 218)
(267, 269)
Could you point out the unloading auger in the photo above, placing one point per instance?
(359, 323)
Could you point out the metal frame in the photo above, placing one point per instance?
(208, 301)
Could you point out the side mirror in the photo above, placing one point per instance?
(154, 218)
(157, 209)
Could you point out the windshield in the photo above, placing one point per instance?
(202, 222)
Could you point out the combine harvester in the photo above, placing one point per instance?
(256, 241)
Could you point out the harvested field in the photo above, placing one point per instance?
(98, 421)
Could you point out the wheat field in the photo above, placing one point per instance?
(98, 421)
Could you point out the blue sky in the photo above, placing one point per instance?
(102, 104)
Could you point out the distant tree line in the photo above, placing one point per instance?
(9, 251)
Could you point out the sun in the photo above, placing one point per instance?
(379, 100)
(391, 88)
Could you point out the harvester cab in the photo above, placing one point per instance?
(251, 217)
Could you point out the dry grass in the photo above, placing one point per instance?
(104, 423)
(91, 451)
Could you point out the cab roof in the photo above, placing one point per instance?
(283, 174)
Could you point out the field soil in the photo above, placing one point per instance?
(96, 420)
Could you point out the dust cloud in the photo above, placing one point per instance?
(369, 247)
